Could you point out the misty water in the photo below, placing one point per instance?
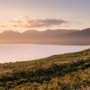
(23, 52)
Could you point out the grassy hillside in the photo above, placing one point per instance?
(59, 72)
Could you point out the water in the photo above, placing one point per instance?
(23, 52)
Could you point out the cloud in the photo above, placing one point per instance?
(26, 22)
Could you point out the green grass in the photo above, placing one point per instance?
(59, 72)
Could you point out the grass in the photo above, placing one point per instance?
(69, 71)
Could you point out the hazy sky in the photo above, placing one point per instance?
(42, 14)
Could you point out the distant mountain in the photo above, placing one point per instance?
(58, 36)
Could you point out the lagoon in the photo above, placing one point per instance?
(23, 52)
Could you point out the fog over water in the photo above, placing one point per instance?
(23, 52)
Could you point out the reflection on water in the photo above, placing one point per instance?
(21, 52)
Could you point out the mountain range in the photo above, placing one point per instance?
(57, 36)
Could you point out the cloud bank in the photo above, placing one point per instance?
(26, 22)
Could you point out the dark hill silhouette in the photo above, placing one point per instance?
(58, 36)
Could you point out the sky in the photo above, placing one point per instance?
(21, 15)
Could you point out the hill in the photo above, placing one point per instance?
(70, 71)
(59, 36)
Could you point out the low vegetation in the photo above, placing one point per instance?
(59, 72)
